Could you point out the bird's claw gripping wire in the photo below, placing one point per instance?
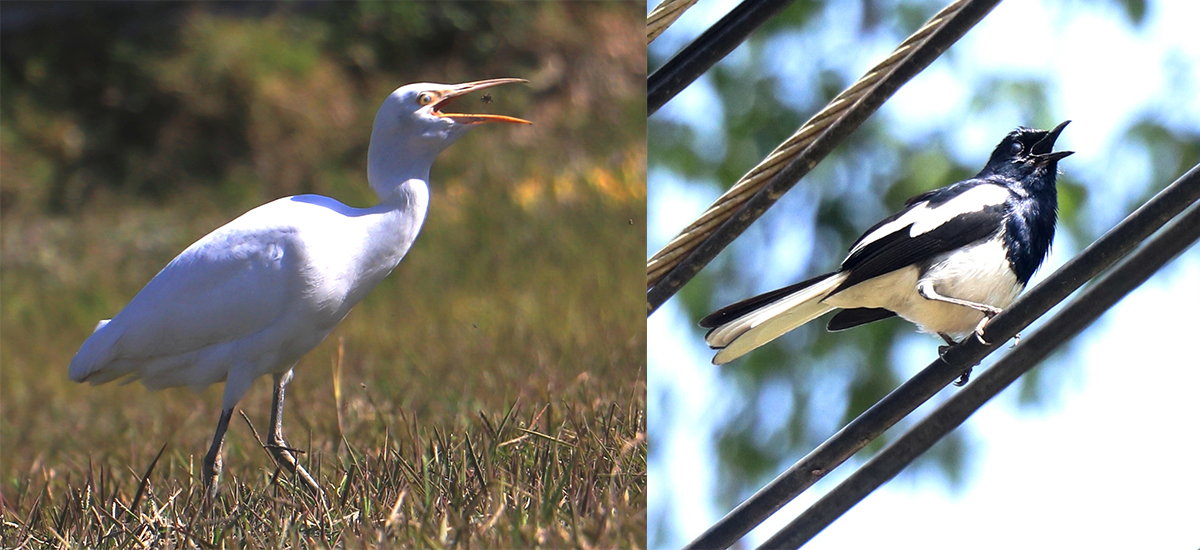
(988, 313)
(966, 375)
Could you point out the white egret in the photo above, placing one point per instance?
(252, 297)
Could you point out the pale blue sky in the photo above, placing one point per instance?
(1111, 461)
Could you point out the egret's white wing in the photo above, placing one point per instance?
(229, 285)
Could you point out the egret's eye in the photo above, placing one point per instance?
(425, 98)
(1015, 148)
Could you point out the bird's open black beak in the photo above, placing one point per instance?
(1044, 148)
(462, 89)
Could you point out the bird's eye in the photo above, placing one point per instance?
(425, 98)
(1015, 148)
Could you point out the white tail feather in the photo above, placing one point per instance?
(94, 355)
(752, 330)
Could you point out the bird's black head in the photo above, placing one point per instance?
(1025, 152)
(1027, 164)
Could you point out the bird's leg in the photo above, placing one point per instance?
(211, 468)
(278, 446)
(949, 342)
(966, 375)
(926, 290)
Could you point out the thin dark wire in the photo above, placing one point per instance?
(707, 49)
(1070, 321)
(1097, 257)
(968, 14)
(1109, 248)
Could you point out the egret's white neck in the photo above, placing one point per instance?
(400, 155)
(392, 173)
(399, 176)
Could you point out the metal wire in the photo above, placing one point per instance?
(706, 50)
(664, 15)
(1070, 321)
(688, 253)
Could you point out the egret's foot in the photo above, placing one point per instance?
(273, 448)
(1016, 340)
(285, 459)
(211, 471)
(964, 378)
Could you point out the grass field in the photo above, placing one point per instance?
(491, 390)
(489, 393)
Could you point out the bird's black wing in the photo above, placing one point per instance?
(927, 195)
(933, 198)
(733, 311)
(963, 213)
(850, 318)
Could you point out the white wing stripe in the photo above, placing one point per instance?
(972, 200)
(925, 219)
(915, 213)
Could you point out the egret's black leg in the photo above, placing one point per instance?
(211, 468)
(278, 446)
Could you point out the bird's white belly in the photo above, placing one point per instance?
(979, 273)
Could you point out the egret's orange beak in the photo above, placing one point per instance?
(461, 89)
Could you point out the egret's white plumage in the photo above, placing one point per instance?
(252, 297)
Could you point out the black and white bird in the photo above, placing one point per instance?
(948, 262)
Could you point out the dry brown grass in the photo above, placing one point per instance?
(526, 478)
(490, 393)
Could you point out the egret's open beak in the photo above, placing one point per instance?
(461, 89)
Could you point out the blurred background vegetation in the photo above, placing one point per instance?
(1134, 132)
(129, 130)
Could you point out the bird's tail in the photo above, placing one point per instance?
(739, 328)
(93, 354)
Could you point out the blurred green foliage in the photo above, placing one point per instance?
(131, 129)
(763, 92)
(148, 99)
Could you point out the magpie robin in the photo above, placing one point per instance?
(949, 261)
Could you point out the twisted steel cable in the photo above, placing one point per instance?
(677, 262)
(664, 15)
